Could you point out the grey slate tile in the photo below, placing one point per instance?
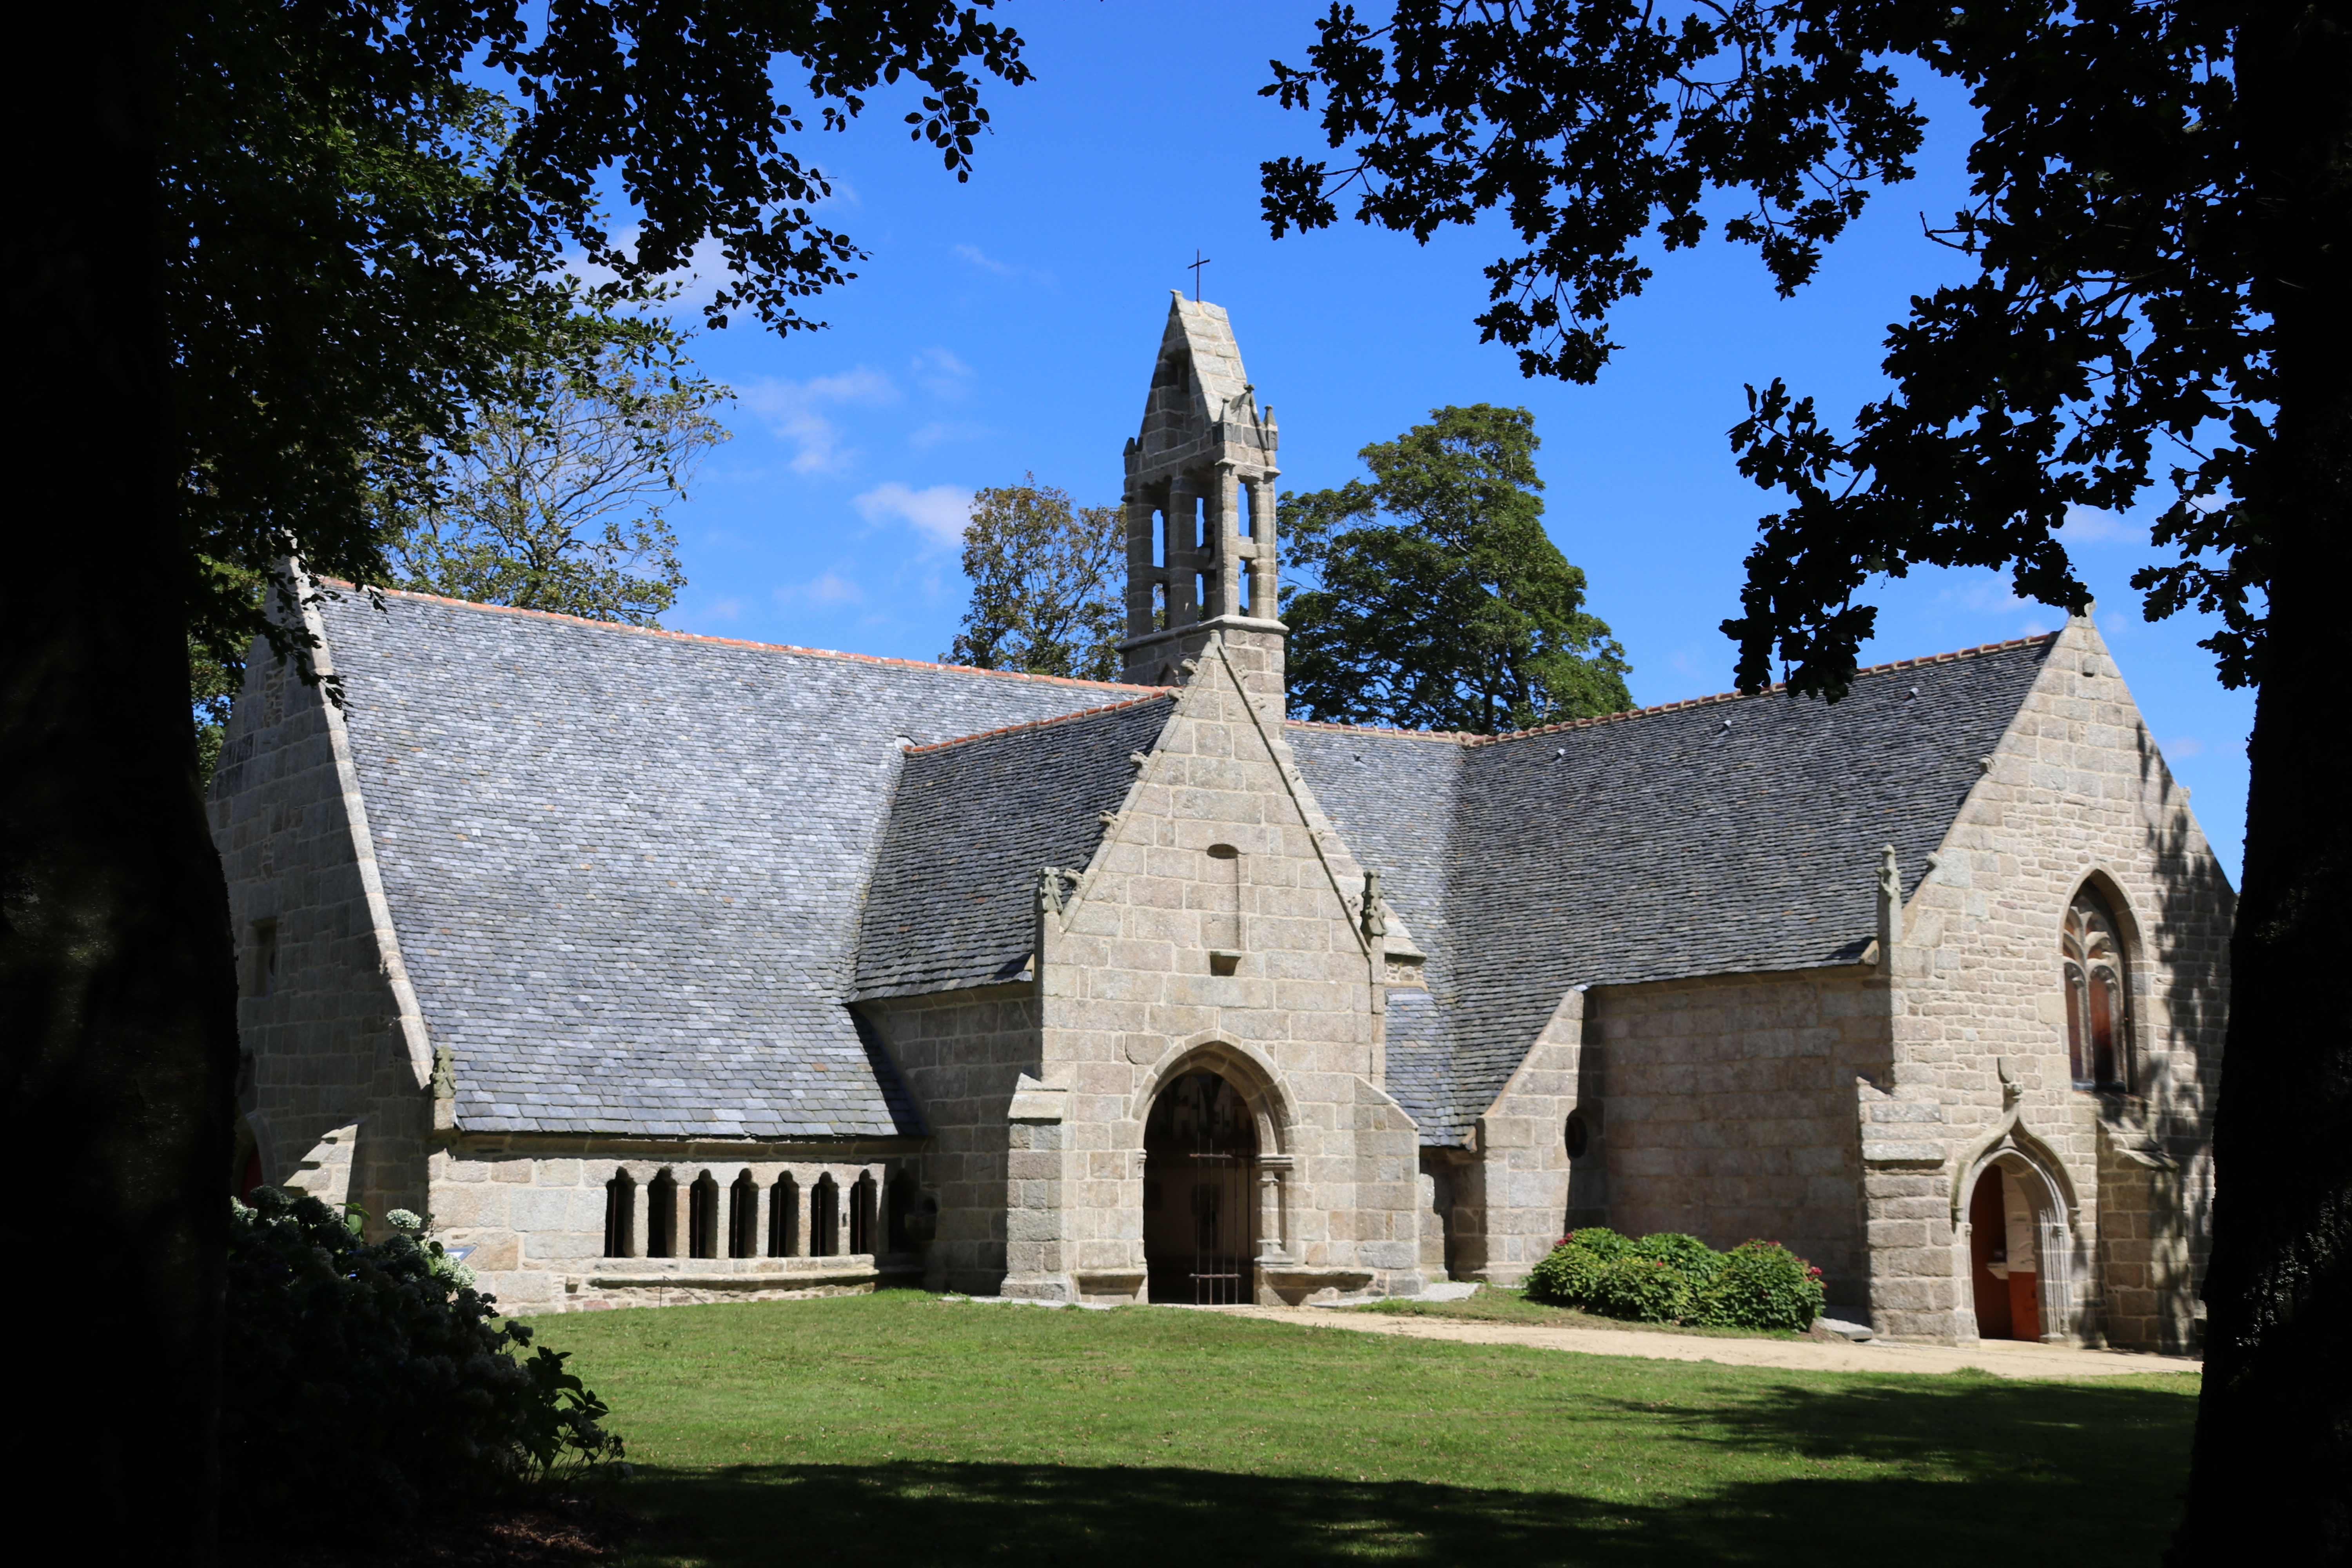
(954, 891)
(626, 868)
(1714, 838)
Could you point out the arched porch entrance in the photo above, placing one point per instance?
(1200, 1197)
(2020, 1252)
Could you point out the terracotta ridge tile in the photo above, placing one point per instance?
(743, 642)
(1464, 738)
(1712, 697)
(1156, 693)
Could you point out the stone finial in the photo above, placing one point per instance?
(2010, 1092)
(444, 1073)
(1376, 912)
(1049, 889)
(1890, 903)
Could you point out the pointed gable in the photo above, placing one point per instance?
(1197, 384)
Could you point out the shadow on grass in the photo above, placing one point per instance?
(1916, 1476)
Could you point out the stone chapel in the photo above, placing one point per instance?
(661, 968)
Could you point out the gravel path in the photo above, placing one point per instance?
(2002, 1358)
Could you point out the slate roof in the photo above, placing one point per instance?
(953, 902)
(625, 867)
(1725, 836)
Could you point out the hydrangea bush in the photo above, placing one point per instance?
(371, 1374)
(1670, 1278)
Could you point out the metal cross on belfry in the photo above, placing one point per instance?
(1199, 261)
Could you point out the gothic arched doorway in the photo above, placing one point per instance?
(2018, 1253)
(1199, 1158)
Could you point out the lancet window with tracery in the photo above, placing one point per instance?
(2098, 996)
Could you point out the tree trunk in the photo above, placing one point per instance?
(2272, 1475)
(116, 978)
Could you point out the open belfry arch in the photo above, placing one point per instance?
(665, 969)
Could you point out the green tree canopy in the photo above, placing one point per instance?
(1045, 583)
(1432, 599)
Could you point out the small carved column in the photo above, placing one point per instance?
(1264, 577)
(680, 1201)
(1143, 571)
(1225, 529)
(764, 1198)
(1274, 1208)
(804, 1211)
(1184, 551)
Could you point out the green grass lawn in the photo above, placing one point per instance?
(1493, 1306)
(897, 1428)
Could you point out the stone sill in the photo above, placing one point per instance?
(759, 1274)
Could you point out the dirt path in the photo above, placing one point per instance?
(2002, 1358)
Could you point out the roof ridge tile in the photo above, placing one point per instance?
(1466, 737)
(741, 642)
(1156, 693)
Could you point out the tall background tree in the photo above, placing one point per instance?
(1047, 575)
(275, 249)
(552, 496)
(1432, 599)
(2161, 219)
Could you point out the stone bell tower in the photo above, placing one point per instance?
(1201, 559)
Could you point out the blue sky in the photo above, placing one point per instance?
(1008, 326)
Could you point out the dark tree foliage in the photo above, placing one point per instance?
(269, 251)
(1433, 598)
(2161, 219)
(365, 1378)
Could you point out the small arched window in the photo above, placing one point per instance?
(702, 1216)
(743, 1218)
(861, 1215)
(661, 1215)
(784, 1217)
(620, 1216)
(824, 1218)
(2098, 996)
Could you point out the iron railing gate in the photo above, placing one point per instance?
(1221, 1228)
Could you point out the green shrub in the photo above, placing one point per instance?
(1598, 1239)
(1565, 1276)
(1694, 1259)
(362, 1379)
(1762, 1285)
(1646, 1290)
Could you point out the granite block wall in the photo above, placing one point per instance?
(1729, 1109)
(333, 1084)
(2076, 792)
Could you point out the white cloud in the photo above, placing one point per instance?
(1987, 594)
(972, 254)
(2184, 746)
(939, 430)
(827, 588)
(938, 513)
(793, 410)
(697, 281)
(941, 374)
(2085, 526)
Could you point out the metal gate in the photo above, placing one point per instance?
(1200, 1149)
